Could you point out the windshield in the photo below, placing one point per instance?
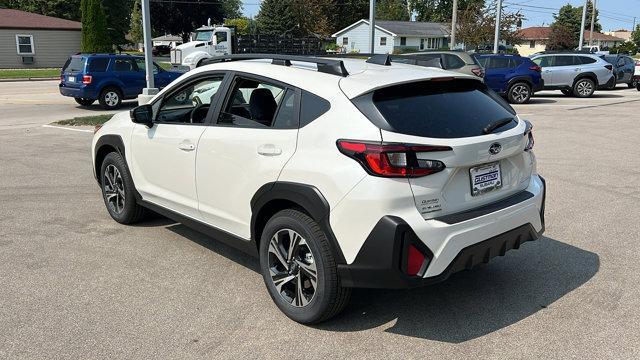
(204, 35)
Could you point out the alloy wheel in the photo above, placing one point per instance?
(520, 93)
(292, 267)
(111, 98)
(114, 189)
(584, 88)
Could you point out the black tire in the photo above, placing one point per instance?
(584, 88)
(84, 102)
(631, 85)
(129, 212)
(635, 82)
(329, 298)
(110, 98)
(568, 92)
(519, 93)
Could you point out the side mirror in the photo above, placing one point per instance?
(142, 114)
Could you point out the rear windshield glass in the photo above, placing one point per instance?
(76, 64)
(443, 109)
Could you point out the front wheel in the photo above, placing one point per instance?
(118, 191)
(519, 93)
(84, 102)
(299, 269)
(584, 88)
(634, 83)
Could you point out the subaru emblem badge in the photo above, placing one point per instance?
(495, 149)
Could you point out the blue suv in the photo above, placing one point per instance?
(512, 76)
(108, 78)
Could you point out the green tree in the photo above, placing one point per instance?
(346, 12)
(441, 10)
(476, 25)
(135, 27)
(182, 17)
(392, 10)
(94, 27)
(635, 36)
(242, 24)
(561, 37)
(65, 9)
(570, 18)
(118, 15)
(276, 18)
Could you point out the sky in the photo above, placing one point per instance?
(614, 14)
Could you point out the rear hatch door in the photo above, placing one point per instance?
(487, 160)
(73, 71)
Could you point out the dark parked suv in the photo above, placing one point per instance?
(623, 68)
(512, 76)
(108, 78)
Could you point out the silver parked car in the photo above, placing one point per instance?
(458, 61)
(578, 74)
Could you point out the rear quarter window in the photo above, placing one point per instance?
(433, 108)
(587, 60)
(98, 64)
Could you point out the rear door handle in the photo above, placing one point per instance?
(269, 150)
(185, 146)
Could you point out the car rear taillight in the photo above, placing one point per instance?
(478, 71)
(535, 68)
(415, 259)
(392, 160)
(86, 79)
(528, 133)
(609, 66)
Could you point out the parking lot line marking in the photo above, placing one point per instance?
(66, 128)
(601, 105)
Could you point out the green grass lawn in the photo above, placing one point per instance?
(85, 120)
(28, 73)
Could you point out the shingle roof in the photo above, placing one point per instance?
(535, 33)
(542, 33)
(415, 28)
(406, 28)
(16, 19)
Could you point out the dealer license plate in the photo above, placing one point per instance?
(485, 178)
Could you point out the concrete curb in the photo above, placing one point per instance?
(30, 79)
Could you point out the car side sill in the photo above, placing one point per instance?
(248, 247)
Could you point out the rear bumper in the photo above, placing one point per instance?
(82, 92)
(610, 83)
(473, 237)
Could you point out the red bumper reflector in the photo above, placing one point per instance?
(414, 261)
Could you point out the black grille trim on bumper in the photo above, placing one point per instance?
(485, 209)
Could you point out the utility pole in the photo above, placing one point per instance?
(454, 23)
(593, 19)
(150, 90)
(497, 35)
(584, 18)
(372, 24)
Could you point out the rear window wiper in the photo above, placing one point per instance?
(496, 124)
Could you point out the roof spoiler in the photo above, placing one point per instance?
(386, 60)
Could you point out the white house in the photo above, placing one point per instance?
(393, 36)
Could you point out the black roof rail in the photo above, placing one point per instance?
(387, 59)
(327, 66)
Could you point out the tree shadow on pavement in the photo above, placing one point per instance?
(475, 303)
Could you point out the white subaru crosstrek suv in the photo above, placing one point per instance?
(335, 173)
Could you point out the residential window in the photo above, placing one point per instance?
(345, 41)
(383, 41)
(421, 44)
(24, 44)
(403, 41)
(532, 44)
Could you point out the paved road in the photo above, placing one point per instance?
(74, 284)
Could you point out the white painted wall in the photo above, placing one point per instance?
(358, 37)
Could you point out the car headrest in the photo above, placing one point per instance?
(262, 106)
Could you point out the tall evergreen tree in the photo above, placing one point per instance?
(276, 17)
(118, 16)
(135, 27)
(441, 10)
(65, 9)
(94, 27)
(346, 12)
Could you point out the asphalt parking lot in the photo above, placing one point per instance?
(75, 284)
